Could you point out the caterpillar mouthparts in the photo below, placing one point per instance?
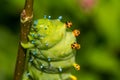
(51, 50)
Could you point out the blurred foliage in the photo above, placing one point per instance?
(98, 21)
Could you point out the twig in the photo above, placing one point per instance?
(26, 21)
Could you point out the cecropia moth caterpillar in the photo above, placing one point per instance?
(51, 50)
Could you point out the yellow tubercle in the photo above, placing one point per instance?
(73, 77)
(76, 66)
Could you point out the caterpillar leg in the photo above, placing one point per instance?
(27, 45)
(26, 76)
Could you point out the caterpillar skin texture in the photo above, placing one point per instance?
(51, 51)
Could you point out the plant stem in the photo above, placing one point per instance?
(26, 22)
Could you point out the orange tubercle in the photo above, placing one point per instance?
(75, 45)
(68, 24)
(76, 32)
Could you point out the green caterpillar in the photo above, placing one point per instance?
(51, 50)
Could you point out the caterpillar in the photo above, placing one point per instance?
(51, 50)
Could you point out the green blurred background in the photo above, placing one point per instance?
(98, 21)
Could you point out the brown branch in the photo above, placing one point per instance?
(26, 21)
